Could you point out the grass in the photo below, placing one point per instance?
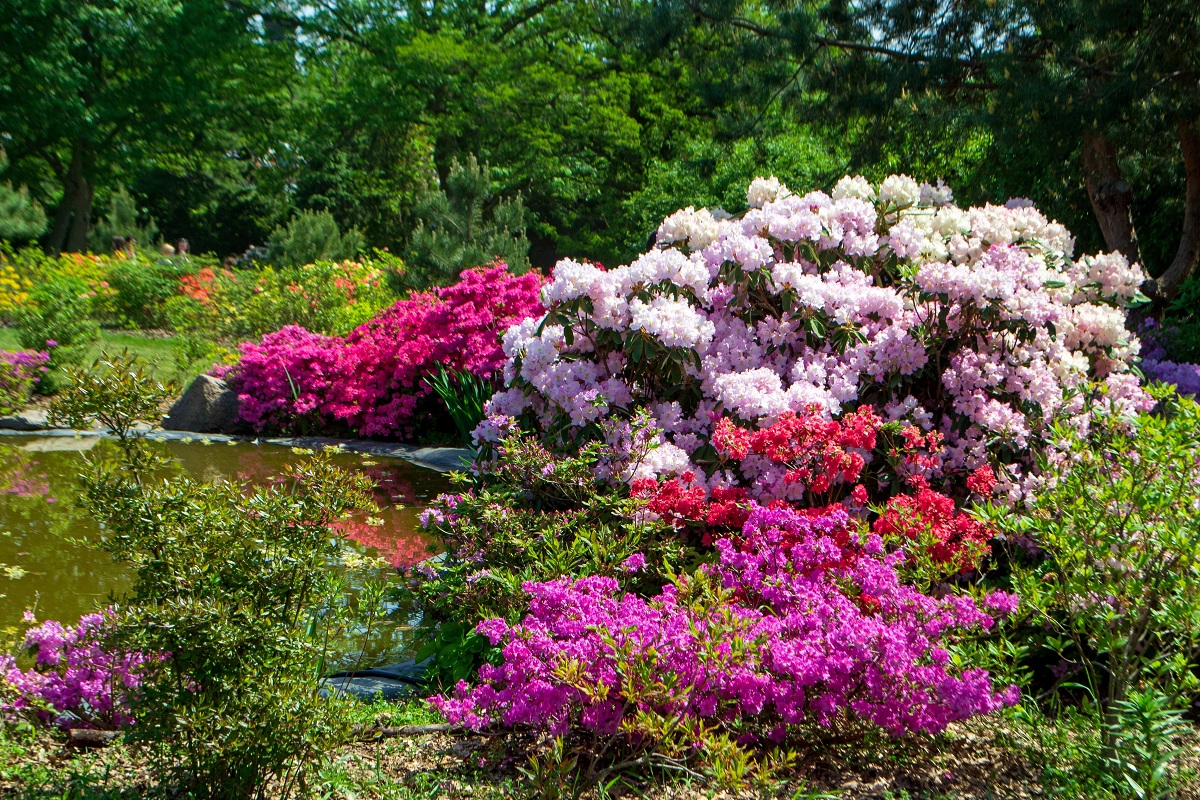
(161, 352)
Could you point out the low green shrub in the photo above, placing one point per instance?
(314, 236)
(143, 286)
(59, 320)
(1107, 557)
(233, 588)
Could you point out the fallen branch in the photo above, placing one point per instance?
(369, 733)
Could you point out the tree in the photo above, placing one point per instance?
(94, 86)
(464, 225)
(121, 220)
(1090, 83)
(565, 117)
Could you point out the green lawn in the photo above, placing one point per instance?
(159, 352)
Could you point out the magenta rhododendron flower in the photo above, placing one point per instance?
(372, 379)
(804, 620)
(80, 681)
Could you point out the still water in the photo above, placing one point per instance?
(48, 563)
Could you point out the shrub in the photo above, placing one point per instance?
(76, 681)
(372, 380)
(531, 516)
(1116, 581)
(143, 285)
(1179, 334)
(233, 583)
(803, 626)
(14, 288)
(463, 226)
(19, 373)
(1168, 356)
(974, 326)
(314, 236)
(327, 297)
(59, 319)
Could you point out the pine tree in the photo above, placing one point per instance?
(314, 236)
(463, 225)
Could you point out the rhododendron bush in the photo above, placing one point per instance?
(372, 380)
(804, 621)
(973, 329)
(75, 680)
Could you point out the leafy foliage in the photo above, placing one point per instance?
(233, 586)
(58, 319)
(464, 396)
(1116, 533)
(531, 517)
(21, 217)
(125, 220)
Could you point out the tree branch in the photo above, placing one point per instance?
(514, 22)
(824, 41)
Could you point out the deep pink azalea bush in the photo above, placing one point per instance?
(976, 325)
(804, 621)
(372, 379)
(75, 680)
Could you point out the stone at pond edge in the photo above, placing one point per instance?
(391, 682)
(31, 420)
(208, 406)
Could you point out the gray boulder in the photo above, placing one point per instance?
(30, 420)
(208, 406)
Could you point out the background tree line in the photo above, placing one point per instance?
(452, 131)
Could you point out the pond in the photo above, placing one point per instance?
(48, 563)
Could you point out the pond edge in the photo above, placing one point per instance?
(440, 459)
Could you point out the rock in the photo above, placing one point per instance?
(31, 420)
(391, 682)
(208, 406)
(443, 459)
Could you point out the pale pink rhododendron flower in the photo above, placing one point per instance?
(977, 324)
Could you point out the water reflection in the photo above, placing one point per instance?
(48, 563)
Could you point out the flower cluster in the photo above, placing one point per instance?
(975, 325)
(1158, 365)
(372, 379)
(19, 372)
(75, 681)
(804, 621)
(929, 518)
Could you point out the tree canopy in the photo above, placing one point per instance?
(228, 118)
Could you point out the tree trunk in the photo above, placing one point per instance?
(1111, 195)
(73, 218)
(1184, 265)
